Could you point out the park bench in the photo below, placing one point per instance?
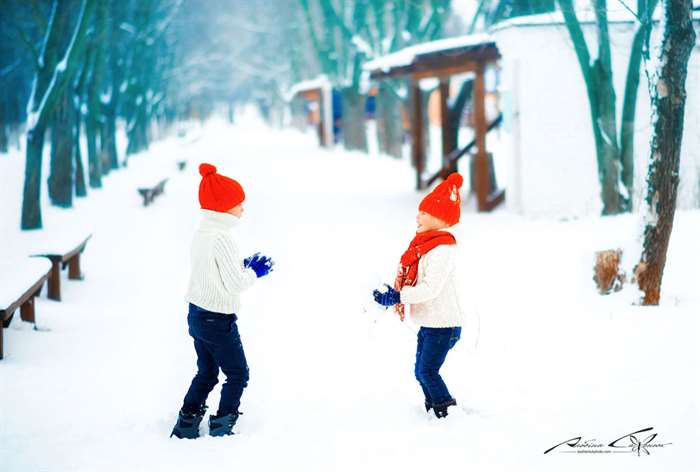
(61, 256)
(150, 193)
(21, 280)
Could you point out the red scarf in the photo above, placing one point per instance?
(422, 244)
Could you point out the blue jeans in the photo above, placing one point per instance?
(433, 345)
(218, 346)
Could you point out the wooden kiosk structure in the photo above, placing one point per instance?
(319, 92)
(442, 59)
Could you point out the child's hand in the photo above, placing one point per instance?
(249, 259)
(389, 298)
(262, 265)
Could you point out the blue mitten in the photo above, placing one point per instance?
(389, 298)
(249, 259)
(262, 265)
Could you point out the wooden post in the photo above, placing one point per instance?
(26, 311)
(55, 280)
(417, 141)
(74, 268)
(481, 178)
(321, 124)
(447, 166)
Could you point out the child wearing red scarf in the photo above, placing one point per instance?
(426, 281)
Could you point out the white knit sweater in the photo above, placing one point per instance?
(217, 275)
(434, 300)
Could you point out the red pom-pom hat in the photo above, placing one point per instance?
(218, 192)
(444, 201)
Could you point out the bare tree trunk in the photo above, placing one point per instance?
(78, 92)
(613, 201)
(668, 101)
(231, 106)
(138, 76)
(109, 127)
(4, 138)
(640, 49)
(109, 140)
(4, 121)
(354, 130)
(137, 131)
(31, 204)
(95, 82)
(598, 79)
(48, 85)
(61, 177)
(80, 187)
(92, 125)
(389, 122)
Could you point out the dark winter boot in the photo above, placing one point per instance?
(428, 406)
(187, 426)
(440, 409)
(222, 425)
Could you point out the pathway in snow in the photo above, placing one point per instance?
(331, 376)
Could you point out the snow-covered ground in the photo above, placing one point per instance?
(543, 358)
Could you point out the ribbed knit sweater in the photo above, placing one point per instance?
(434, 300)
(217, 275)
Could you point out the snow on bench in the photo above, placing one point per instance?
(62, 249)
(21, 280)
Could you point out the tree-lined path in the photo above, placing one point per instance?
(331, 376)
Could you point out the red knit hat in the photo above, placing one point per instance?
(444, 201)
(218, 192)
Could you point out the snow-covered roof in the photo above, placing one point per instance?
(615, 15)
(319, 82)
(409, 55)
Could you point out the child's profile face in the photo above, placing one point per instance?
(236, 211)
(427, 222)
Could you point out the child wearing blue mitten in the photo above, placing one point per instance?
(427, 282)
(217, 279)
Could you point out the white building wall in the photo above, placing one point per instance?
(551, 150)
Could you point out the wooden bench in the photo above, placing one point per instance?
(21, 280)
(59, 260)
(150, 193)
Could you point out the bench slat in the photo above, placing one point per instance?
(61, 259)
(150, 193)
(29, 293)
(62, 256)
(25, 300)
(16, 275)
